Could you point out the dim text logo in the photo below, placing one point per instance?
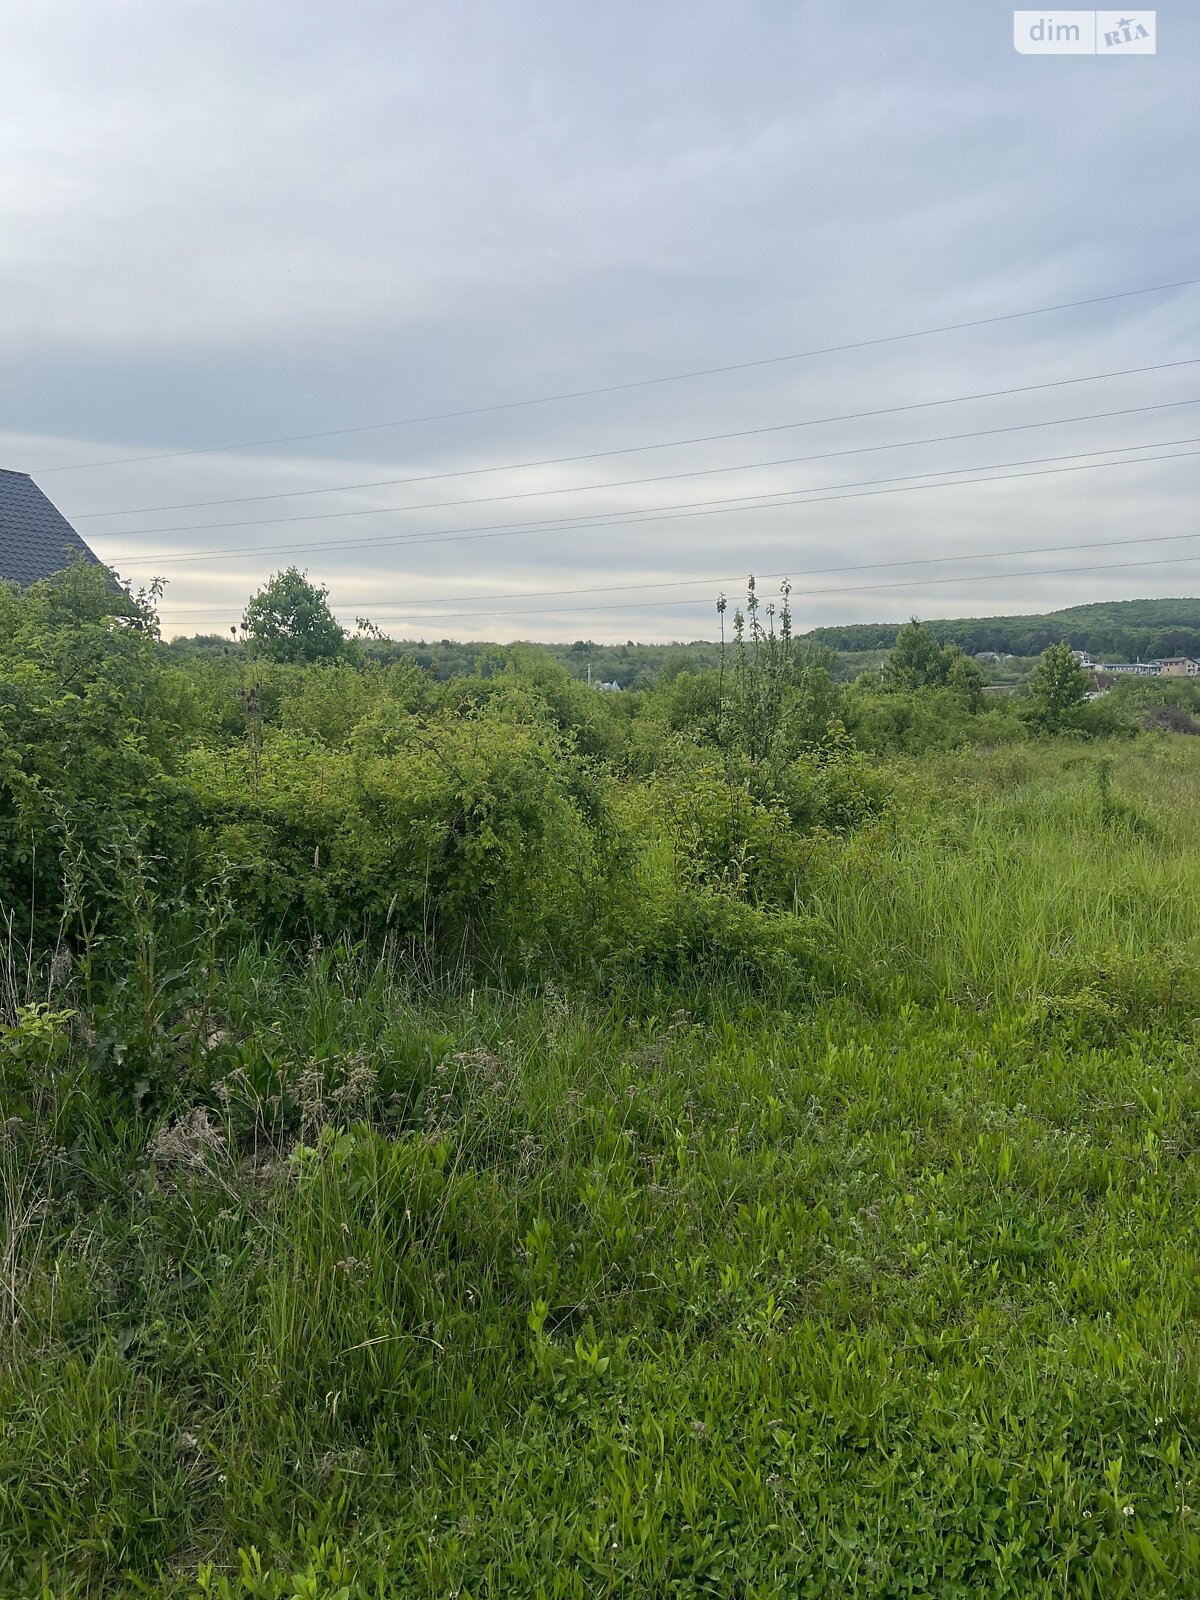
(1085, 33)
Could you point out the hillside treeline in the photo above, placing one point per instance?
(1118, 630)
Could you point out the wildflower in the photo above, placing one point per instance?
(1126, 1511)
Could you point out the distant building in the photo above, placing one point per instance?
(1137, 669)
(1082, 657)
(609, 688)
(35, 538)
(1178, 667)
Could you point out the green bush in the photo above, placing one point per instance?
(926, 719)
(722, 836)
(458, 833)
(833, 788)
(91, 725)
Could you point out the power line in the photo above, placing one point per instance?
(599, 455)
(856, 588)
(774, 500)
(639, 383)
(672, 477)
(723, 579)
(907, 583)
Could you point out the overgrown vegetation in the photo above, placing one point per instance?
(496, 1138)
(1119, 630)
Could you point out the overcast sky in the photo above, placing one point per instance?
(223, 223)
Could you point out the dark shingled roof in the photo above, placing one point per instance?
(35, 538)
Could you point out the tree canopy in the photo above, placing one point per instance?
(289, 620)
(1057, 690)
(918, 661)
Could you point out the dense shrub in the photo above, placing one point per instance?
(720, 833)
(937, 718)
(1169, 719)
(90, 730)
(472, 832)
(833, 787)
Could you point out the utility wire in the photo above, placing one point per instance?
(856, 588)
(665, 477)
(777, 498)
(624, 450)
(721, 580)
(907, 583)
(639, 383)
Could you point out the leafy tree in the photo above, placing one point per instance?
(1057, 690)
(289, 620)
(965, 678)
(917, 660)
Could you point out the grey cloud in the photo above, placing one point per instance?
(223, 222)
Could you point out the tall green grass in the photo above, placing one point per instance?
(1024, 876)
(878, 1282)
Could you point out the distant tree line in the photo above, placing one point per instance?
(633, 666)
(1117, 630)
(1121, 630)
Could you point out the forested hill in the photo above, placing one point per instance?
(1117, 629)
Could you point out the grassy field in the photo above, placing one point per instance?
(879, 1282)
